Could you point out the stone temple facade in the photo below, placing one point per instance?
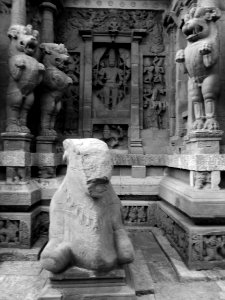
(145, 76)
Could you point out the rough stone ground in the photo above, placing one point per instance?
(155, 276)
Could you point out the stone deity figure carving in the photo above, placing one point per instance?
(112, 78)
(25, 74)
(200, 59)
(86, 227)
(55, 59)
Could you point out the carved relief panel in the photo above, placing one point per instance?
(111, 82)
(115, 136)
(154, 92)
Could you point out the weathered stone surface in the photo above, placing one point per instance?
(46, 144)
(100, 242)
(24, 194)
(15, 159)
(13, 141)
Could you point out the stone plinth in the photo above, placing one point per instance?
(196, 203)
(13, 141)
(46, 144)
(203, 142)
(19, 194)
(20, 229)
(201, 247)
(78, 283)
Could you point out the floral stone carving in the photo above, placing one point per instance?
(86, 227)
(200, 59)
(55, 59)
(25, 74)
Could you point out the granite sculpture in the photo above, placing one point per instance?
(25, 74)
(86, 227)
(200, 59)
(55, 82)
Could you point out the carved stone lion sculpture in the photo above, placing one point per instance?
(55, 59)
(200, 59)
(25, 74)
(86, 227)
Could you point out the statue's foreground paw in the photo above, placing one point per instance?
(198, 124)
(211, 124)
(24, 129)
(13, 128)
(56, 259)
(125, 249)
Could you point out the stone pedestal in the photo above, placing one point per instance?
(78, 283)
(203, 142)
(201, 247)
(13, 141)
(46, 144)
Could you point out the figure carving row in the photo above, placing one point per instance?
(26, 73)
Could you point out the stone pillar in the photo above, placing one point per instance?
(135, 137)
(18, 12)
(47, 30)
(87, 101)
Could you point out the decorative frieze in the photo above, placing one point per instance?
(122, 4)
(201, 247)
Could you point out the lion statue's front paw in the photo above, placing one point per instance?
(198, 124)
(13, 128)
(211, 124)
(24, 129)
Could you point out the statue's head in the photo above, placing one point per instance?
(24, 38)
(89, 163)
(197, 22)
(55, 55)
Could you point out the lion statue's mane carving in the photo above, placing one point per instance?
(25, 74)
(86, 227)
(200, 59)
(55, 82)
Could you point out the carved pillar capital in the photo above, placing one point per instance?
(47, 5)
(138, 34)
(86, 34)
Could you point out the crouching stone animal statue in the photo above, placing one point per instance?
(86, 228)
(200, 59)
(55, 82)
(25, 74)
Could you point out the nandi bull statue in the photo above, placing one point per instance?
(55, 82)
(86, 227)
(25, 74)
(200, 59)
